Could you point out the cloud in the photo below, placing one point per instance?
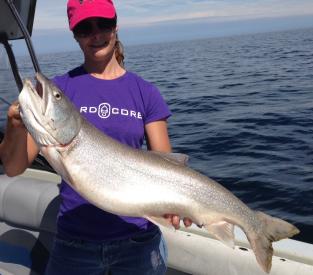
(141, 12)
(52, 14)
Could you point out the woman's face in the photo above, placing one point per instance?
(96, 38)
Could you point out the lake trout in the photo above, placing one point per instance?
(139, 183)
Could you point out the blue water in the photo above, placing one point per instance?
(242, 110)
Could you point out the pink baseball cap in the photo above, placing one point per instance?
(78, 10)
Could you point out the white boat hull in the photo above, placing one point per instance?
(28, 210)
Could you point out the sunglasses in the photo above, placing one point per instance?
(86, 27)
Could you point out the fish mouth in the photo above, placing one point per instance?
(41, 90)
(38, 95)
(35, 101)
(32, 106)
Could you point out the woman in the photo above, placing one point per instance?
(125, 107)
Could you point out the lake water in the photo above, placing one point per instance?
(242, 110)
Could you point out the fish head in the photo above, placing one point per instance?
(49, 116)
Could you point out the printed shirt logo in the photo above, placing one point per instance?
(105, 110)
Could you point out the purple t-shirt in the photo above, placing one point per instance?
(120, 108)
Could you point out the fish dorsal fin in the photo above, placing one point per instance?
(177, 158)
(223, 231)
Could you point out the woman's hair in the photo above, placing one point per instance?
(119, 49)
(119, 52)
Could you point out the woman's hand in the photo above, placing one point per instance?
(17, 149)
(14, 118)
(175, 220)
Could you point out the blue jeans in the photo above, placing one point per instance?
(143, 254)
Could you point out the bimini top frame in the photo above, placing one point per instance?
(16, 22)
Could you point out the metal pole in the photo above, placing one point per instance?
(25, 33)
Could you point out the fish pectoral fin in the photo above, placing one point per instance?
(176, 158)
(223, 231)
(159, 221)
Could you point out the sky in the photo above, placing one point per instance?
(146, 21)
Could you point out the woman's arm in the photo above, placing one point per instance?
(158, 140)
(17, 149)
(157, 136)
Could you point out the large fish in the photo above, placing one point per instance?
(139, 183)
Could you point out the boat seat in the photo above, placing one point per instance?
(28, 211)
(29, 203)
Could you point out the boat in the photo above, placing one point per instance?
(29, 206)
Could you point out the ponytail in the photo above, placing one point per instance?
(119, 52)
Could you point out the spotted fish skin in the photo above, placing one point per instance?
(131, 182)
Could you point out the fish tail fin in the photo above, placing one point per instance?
(273, 229)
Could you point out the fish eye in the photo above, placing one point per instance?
(57, 95)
